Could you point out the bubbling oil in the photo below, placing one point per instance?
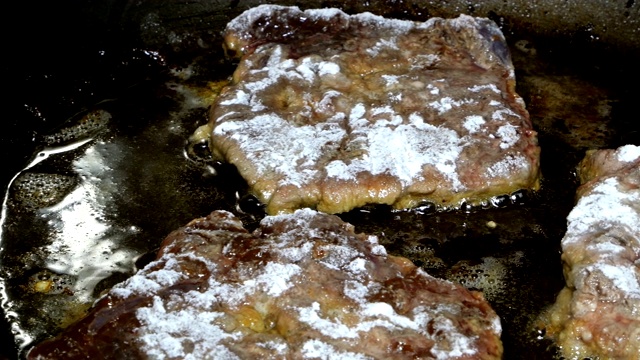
(489, 276)
(89, 124)
(101, 192)
(40, 190)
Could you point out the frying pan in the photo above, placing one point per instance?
(576, 67)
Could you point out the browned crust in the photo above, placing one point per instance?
(218, 248)
(469, 52)
(597, 314)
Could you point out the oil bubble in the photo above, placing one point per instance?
(50, 283)
(425, 208)
(40, 190)
(518, 197)
(198, 148)
(500, 201)
(198, 152)
(87, 126)
(487, 276)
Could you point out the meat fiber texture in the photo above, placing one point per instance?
(597, 314)
(302, 286)
(334, 111)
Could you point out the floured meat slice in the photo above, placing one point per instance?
(333, 112)
(302, 286)
(598, 313)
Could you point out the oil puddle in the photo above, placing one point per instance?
(98, 197)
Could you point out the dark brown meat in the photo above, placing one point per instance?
(333, 112)
(598, 313)
(303, 286)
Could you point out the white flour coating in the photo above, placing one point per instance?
(393, 26)
(607, 249)
(316, 349)
(275, 151)
(491, 87)
(598, 311)
(276, 278)
(624, 278)
(473, 123)
(357, 266)
(293, 151)
(499, 114)
(605, 207)
(164, 334)
(628, 153)
(508, 134)
(384, 310)
(401, 151)
(378, 315)
(377, 249)
(295, 254)
(339, 256)
(382, 45)
(191, 325)
(458, 345)
(341, 115)
(167, 334)
(279, 347)
(355, 290)
(138, 285)
(446, 103)
(390, 79)
(506, 166)
(433, 90)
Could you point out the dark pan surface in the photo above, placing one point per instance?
(136, 184)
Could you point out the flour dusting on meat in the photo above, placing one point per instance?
(598, 313)
(346, 110)
(302, 286)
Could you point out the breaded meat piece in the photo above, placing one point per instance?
(334, 111)
(302, 286)
(597, 314)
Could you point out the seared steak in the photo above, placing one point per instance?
(333, 111)
(302, 286)
(598, 313)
